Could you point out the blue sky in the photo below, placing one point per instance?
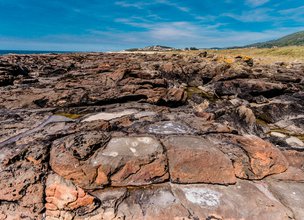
(94, 25)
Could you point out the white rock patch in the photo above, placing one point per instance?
(107, 116)
(162, 199)
(203, 196)
(111, 154)
(294, 142)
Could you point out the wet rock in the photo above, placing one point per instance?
(196, 160)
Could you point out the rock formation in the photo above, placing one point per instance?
(150, 136)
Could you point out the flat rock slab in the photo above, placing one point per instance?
(132, 161)
(245, 200)
(291, 194)
(197, 160)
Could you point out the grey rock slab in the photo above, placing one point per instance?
(145, 114)
(245, 200)
(132, 146)
(157, 202)
(291, 194)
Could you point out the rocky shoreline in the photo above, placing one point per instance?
(150, 136)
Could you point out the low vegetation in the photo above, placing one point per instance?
(267, 55)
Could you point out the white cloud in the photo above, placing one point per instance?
(138, 5)
(143, 5)
(176, 34)
(296, 14)
(255, 3)
(256, 15)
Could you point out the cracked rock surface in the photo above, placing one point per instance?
(95, 136)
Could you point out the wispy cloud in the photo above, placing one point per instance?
(256, 3)
(256, 15)
(143, 5)
(298, 10)
(97, 25)
(177, 34)
(138, 5)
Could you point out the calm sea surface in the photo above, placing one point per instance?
(3, 52)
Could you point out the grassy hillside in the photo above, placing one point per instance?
(267, 55)
(296, 39)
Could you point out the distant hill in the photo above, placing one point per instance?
(296, 39)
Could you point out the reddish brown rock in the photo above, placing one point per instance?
(68, 156)
(130, 174)
(291, 174)
(295, 158)
(176, 95)
(21, 185)
(131, 161)
(123, 162)
(265, 159)
(63, 195)
(196, 160)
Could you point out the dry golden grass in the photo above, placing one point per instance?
(263, 56)
(267, 55)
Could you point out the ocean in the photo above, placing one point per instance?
(3, 52)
